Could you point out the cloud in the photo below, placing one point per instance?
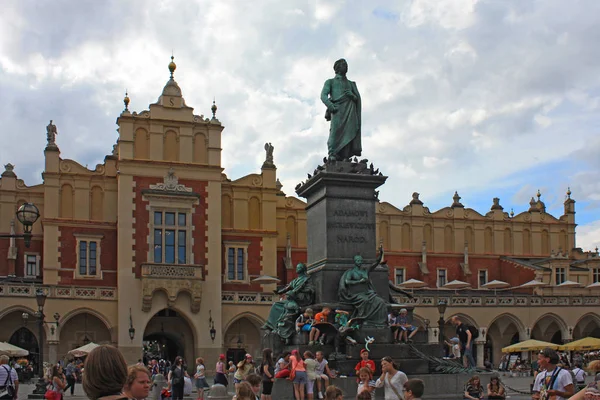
(488, 98)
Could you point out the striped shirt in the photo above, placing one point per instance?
(4, 371)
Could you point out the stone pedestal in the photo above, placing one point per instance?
(341, 222)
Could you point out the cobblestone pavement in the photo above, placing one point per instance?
(521, 384)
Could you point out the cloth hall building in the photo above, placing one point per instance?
(160, 242)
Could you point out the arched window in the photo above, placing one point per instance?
(545, 243)
(226, 212)
(254, 216)
(508, 248)
(406, 237)
(428, 236)
(170, 146)
(526, 241)
(200, 149)
(141, 144)
(384, 234)
(448, 239)
(563, 241)
(470, 238)
(488, 237)
(66, 201)
(291, 229)
(96, 204)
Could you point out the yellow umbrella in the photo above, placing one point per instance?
(529, 345)
(588, 343)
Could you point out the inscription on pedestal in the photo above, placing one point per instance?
(347, 227)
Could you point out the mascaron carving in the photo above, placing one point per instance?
(171, 184)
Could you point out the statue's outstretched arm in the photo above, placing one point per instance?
(379, 258)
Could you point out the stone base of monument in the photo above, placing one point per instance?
(437, 386)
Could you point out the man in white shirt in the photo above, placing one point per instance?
(580, 375)
(553, 380)
(9, 380)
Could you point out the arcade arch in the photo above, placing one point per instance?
(588, 325)
(24, 335)
(550, 328)
(242, 335)
(81, 327)
(169, 334)
(504, 330)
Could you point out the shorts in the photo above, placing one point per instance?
(201, 383)
(236, 380)
(267, 388)
(408, 328)
(306, 328)
(321, 376)
(300, 378)
(310, 384)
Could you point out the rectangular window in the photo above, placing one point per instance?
(561, 275)
(236, 263)
(441, 277)
(31, 265)
(596, 275)
(170, 237)
(400, 275)
(88, 257)
(483, 277)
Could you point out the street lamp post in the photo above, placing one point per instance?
(27, 214)
(40, 298)
(441, 322)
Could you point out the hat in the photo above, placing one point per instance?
(364, 351)
(222, 357)
(455, 340)
(404, 310)
(248, 355)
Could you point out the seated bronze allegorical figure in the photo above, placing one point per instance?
(299, 293)
(357, 290)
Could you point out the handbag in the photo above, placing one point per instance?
(293, 371)
(50, 394)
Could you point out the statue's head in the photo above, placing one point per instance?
(340, 67)
(301, 268)
(358, 260)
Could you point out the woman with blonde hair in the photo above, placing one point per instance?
(243, 391)
(592, 390)
(334, 393)
(105, 374)
(200, 376)
(138, 383)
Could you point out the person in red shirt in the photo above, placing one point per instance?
(365, 362)
(319, 318)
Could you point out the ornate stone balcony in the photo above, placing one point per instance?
(172, 279)
(248, 298)
(505, 300)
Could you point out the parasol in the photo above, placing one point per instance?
(12, 350)
(529, 345)
(83, 350)
(412, 284)
(569, 284)
(456, 285)
(588, 343)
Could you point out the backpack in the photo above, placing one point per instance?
(474, 332)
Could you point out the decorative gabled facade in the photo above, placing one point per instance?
(157, 238)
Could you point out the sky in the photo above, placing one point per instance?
(485, 97)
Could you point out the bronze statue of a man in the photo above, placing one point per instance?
(342, 99)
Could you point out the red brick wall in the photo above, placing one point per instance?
(287, 275)
(35, 247)
(141, 214)
(254, 263)
(497, 269)
(68, 256)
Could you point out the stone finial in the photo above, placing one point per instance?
(8, 171)
(51, 133)
(214, 110)
(172, 66)
(126, 101)
(269, 156)
(456, 198)
(415, 199)
(278, 185)
(539, 194)
(568, 192)
(512, 213)
(496, 205)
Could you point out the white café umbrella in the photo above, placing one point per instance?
(83, 350)
(266, 279)
(593, 286)
(495, 285)
(456, 285)
(412, 284)
(7, 349)
(569, 284)
(532, 284)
